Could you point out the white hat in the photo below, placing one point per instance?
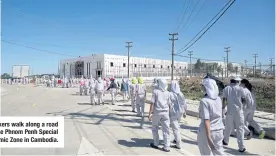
(238, 79)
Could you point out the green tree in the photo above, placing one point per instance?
(198, 64)
(230, 67)
(5, 76)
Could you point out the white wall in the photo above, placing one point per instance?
(119, 70)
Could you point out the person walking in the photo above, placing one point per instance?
(178, 109)
(210, 134)
(159, 112)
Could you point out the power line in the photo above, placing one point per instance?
(196, 15)
(181, 51)
(45, 51)
(181, 20)
(190, 15)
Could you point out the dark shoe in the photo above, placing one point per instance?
(153, 146)
(224, 143)
(249, 136)
(166, 150)
(133, 111)
(174, 146)
(243, 150)
(174, 141)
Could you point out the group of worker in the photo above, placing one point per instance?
(24, 81)
(167, 108)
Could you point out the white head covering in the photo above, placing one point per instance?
(175, 87)
(211, 88)
(162, 84)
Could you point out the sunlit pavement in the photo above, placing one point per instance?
(105, 130)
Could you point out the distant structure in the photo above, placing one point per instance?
(19, 71)
(106, 65)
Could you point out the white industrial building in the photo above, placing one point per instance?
(106, 65)
(19, 71)
(223, 66)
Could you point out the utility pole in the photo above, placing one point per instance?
(128, 47)
(271, 67)
(255, 56)
(245, 63)
(227, 50)
(173, 39)
(224, 70)
(260, 65)
(190, 54)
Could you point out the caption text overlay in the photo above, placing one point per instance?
(32, 132)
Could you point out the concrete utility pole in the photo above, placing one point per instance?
(271, 63)
(245, 63)
(173, 39)
(190, 54)
(227, 51)
(255, 67)
(224, 69)
(128, 47)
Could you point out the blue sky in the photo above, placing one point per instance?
(102, 26)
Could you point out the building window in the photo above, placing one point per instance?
(153, 66)
(145, 66)
(161, 66)
(135, 65)
(124, 64)
(111, 64)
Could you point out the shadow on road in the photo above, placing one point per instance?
(236, 152)
(135, 142)
(84, 103)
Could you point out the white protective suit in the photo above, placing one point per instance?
(86, 86)
(140, 90)
(161, 101)
(100, 90)
(113, 89)
(92, 91)
(81, 86)
(132, 93)
(177, 109)
(210, 108)
(249, 112)
(235, 116)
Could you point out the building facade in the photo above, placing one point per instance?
(19, 71)
(105, 65)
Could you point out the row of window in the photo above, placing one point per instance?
(135, 65)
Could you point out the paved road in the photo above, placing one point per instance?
(106, 130)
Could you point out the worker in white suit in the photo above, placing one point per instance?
(100, 90)
(132, 87)
(92, 91)
(210, 133)
(250, 107)
(178, 109)
(159, 112)
(113, 90)
(81, 83)
(234, 94)
(140, 94)
(86, 86)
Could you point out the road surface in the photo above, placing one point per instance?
(102, 130)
